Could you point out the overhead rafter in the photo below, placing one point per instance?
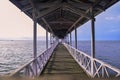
(97, 6)
(75, 10)
(45, 12)
(74, 23)
(79, 4)
(109, 3)
(51, 7)
(61, 22)
(48, 4)
(47, 24)
(87, 5)
(96, 3)
(26, 8)
(42, 5)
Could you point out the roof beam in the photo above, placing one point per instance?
(34, 12)
(75, 10)
(61, 22)
(80, 4)
(48, 4)
(97, 6)
(87, 5)
(47, 24)
(109, 3)
(45, 12)
(96, 3)
(74, 23)
(26, 8)
(41, 5)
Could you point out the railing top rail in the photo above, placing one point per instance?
(25, 65)
(28, 63)
(79, 51)
(108, 65)
(97, 60)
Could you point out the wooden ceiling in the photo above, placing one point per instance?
(60, 17)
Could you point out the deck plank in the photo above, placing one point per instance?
(62, 65)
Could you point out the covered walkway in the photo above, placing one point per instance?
(60, 18)
(62, 66)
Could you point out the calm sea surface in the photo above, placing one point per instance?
(14, 54)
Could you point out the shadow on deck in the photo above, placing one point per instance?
(61, 65)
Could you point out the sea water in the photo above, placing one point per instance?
(107, 51)
(14, 54)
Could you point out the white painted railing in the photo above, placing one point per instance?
(28, 70)
(100, 68)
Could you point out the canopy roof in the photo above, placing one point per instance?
(60, 17)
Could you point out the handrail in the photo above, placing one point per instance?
(101, 69)
(40, 61)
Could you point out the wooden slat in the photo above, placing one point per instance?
(62, 64)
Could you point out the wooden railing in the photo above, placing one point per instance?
(35, 66)
(100, 68)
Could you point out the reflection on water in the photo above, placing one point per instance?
(13, 54)
(108, 51)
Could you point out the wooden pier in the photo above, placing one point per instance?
(64, 62)
(62, 65)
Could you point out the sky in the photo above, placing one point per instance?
(107, 25)
(14, 24)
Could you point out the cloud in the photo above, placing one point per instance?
(114, 30)
(113, 17)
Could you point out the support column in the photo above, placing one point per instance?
(46, 39)
(67, 39)
(70, 39)
(92, 40)
(93, 37)
(35, 39)
(50, 39)
(35, 42)
(76, 38)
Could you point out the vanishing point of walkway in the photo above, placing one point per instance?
(62, 66)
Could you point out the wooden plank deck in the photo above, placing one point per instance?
(62, 66)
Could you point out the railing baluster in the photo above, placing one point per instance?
(40, 62)
(106, 71)
(103, 72)
(84, 61)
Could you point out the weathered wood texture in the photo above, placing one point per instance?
(63, 66)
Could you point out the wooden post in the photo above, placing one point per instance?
(76, 38)
(67, 39)
(34, 41)
(46, 39)
(70, 39)
(92, 40)
(51, 39)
